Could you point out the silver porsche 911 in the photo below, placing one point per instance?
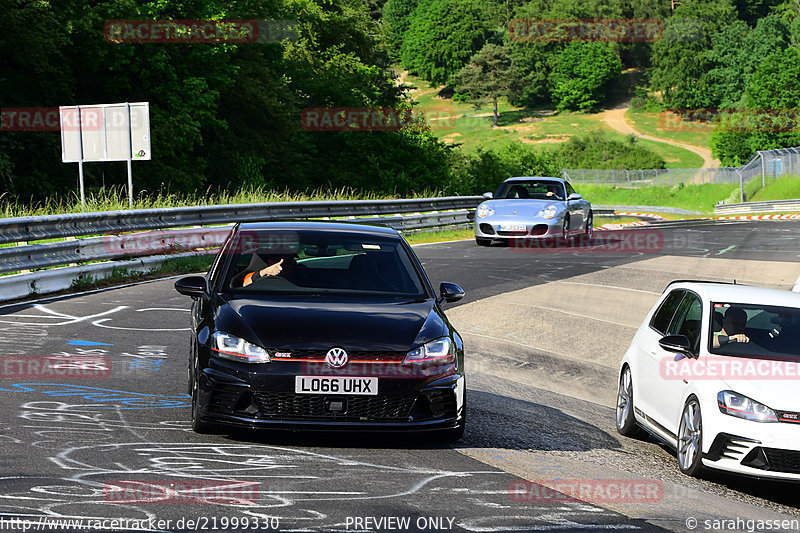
(532, 208)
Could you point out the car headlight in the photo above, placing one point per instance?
(439, 351)
(485, 211)
(734, 404)
(231, 347)
(548, 212)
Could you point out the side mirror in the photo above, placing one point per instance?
(194, 286)
(574, 196)
(450, 292)
(488, 195)
(676, 344)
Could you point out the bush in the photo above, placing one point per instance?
(597, 150)
(486, 170)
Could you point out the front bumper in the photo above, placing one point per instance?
(492, 228)
(764, 450)
(268, 400)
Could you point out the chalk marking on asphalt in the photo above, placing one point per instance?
(99, 324)
(728, 249)
(67, 319)
(796, 287)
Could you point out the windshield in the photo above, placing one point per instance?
(533, 189)
(309, 262)
(755, 330)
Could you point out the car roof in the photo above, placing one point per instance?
(740, 294)
(304, 225)
(525, 178)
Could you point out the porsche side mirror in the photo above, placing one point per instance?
(450, 292)
(488, 195)
(574, 196)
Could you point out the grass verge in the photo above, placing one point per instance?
(116, 199)
(693, 197)
(785, 188)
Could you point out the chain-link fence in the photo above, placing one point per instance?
(767, 164)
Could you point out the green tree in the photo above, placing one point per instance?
(680, 58)
(443, 36)
(395, 20)
(772, 99)
(487, 77)
(736, 52)
(582, 75)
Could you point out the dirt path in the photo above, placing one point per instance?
(615, 118)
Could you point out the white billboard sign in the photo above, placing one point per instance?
(106, 131)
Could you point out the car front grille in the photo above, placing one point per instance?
(512, 233)
(353, 357)
(287, 405)
(787, 461)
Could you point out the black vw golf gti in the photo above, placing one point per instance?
(305, 325)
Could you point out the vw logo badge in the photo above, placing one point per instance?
(336, 358)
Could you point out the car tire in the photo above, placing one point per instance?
(483, 242)
(589, 229)
(565, 230)
(690, 439)
(626, 421)
(198, 424)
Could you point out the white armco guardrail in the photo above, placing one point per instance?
(140, 240)
(774, 206)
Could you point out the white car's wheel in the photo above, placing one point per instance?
(690, 439)
(626, 422)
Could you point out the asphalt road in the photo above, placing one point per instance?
(66, 442)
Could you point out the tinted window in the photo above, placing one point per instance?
(570, 190)
(663, 316)
(687, 320)
(321, 263)
(772, 331)
(535, 189)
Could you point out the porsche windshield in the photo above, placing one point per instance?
(531, 189)
(312, 262)
(755, 330)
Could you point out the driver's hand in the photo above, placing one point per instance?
(739, 337)
(550, 193)
(272, 270)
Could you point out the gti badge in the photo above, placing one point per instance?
(336, 358)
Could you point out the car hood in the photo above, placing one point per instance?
(318, 323)
(522, 207)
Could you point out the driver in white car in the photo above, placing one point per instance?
(733, 324)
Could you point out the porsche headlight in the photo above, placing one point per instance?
(485, 211)
(548, 212)
(439, 351)
(227, 346)
(740, 406)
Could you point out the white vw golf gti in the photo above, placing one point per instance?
(714, 371)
